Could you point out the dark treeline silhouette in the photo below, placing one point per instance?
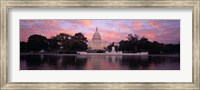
(65, 43)
(135, 44)
(61, 43)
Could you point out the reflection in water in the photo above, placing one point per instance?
(98, 62)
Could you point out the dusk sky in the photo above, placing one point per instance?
(163, 31)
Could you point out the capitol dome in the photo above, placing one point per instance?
(97, 43)
(96, 35)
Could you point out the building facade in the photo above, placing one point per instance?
(97, 43)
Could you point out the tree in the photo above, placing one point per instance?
(62, 37)
(123, 46)
(80, 36)
(143, 44)
(53, 44)
(133, 38)
(109, 47)
(68, 42)
(172, 48)
(78, 43)
(37, 42)
(23, 47)
(73, 45)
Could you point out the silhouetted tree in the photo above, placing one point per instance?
(62, 37)
(170, 48)
(37, 42)
(79, 36)
(23, 47)
(143, 44)
(53, 44)
(130, 45)
(78, 43)
(74, 45)
(134, 44)
(109, 47)
(133, 38)
(124, 46)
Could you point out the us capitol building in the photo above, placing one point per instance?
(97, 43)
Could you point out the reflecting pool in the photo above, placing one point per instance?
(99, 62)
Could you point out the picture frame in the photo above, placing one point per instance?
(4, 43)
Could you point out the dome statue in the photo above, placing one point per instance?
(96, 43)
(96, 36)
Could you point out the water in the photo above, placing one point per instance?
(98, 62)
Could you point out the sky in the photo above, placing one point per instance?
(163, 31)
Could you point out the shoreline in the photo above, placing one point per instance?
(99, 54)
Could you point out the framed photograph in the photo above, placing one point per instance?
(119, 44)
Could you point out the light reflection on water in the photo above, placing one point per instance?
(98, 62)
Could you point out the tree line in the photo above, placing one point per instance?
(65, 43)
(61, 43)
(135, 44)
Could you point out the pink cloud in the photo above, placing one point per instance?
(88, 36)
(111, 37)
(161, 31)
(28, 21)
(168, 37)
(26, 33)
(48, 34)
(150, 36)
(85, 23)
(137, 25)
(52, 22)
(56, 32)
(154, 24)
(124, 27)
